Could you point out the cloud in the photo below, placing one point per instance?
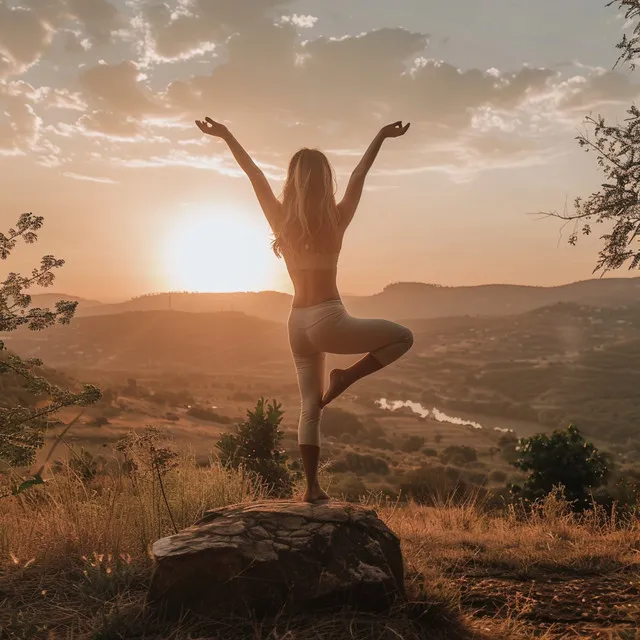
(118, 90)
(20, 128)
(147, 68)
(300, 21)
(23, 39)
(78, 176)
(99, 18)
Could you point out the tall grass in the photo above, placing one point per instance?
(116, 513)
(75, 555)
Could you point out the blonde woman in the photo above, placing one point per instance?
(308, 226)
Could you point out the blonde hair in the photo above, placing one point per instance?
(309, 203)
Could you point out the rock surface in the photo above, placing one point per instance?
(263, 557)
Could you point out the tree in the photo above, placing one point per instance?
(255, 446)
(23, 424)
(562, 458)
(617, 148)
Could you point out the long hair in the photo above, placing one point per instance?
(309, 204)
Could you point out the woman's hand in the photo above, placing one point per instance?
(394, 130)
(213, 128)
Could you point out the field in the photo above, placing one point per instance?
(76, 565)
(74, 555)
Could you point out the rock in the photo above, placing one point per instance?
(268, 556)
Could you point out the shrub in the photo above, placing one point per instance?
(412, 444)
(255, 446)
(336, 422)
(498, 476)
(430, 453)
(350, 486)
(360, 464)
(435, 484)
(459, 455)
(564, 459)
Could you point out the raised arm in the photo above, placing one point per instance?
(351, 199)
(269, 203)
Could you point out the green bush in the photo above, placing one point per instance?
(255, 446)
(562, 458)
(430, 453)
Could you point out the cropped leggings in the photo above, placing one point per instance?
(328, 328)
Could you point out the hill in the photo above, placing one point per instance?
(400, 301)
(549, 367)
(156, 340)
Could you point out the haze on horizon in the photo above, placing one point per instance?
(98, 99)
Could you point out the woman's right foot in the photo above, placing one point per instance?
(338, 383)
(315, 495)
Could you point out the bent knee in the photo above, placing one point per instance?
(407, 337)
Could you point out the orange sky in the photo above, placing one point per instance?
(96, 134)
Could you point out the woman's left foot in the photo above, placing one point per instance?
(338, 383)
(316, 495)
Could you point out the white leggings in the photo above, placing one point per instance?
(328, 328)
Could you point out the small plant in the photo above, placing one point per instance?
(255, 446)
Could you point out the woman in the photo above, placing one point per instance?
(308, 226)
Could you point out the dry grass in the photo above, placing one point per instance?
(75, 563)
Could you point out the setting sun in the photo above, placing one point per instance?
(218, 249)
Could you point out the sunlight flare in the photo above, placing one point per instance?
(218, 249)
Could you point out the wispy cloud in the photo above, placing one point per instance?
(79, 176)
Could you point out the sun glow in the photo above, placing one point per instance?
(219, 249)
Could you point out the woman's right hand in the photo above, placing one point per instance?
(213, 128)
(395, 130)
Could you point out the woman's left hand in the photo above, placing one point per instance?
(213, 128)
(395, 130)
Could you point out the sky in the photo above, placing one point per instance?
(98, 100)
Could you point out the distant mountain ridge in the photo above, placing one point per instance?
(399, 301)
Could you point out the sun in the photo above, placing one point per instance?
(218, 249)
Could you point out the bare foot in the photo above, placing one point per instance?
(338, 383)
(315, 495)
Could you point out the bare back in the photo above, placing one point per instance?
(314, 275)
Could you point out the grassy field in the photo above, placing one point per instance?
(75, 563)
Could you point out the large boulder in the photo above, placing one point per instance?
(265, 557)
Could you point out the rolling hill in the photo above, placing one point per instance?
(401, 301)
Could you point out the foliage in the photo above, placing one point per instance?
(147, 452)
(255, 446)
(459, 454)
(617, 148)
(564, 459)
(412, 444)
(336, 422)
(436, 485)
(360, 464)
(22, 426)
